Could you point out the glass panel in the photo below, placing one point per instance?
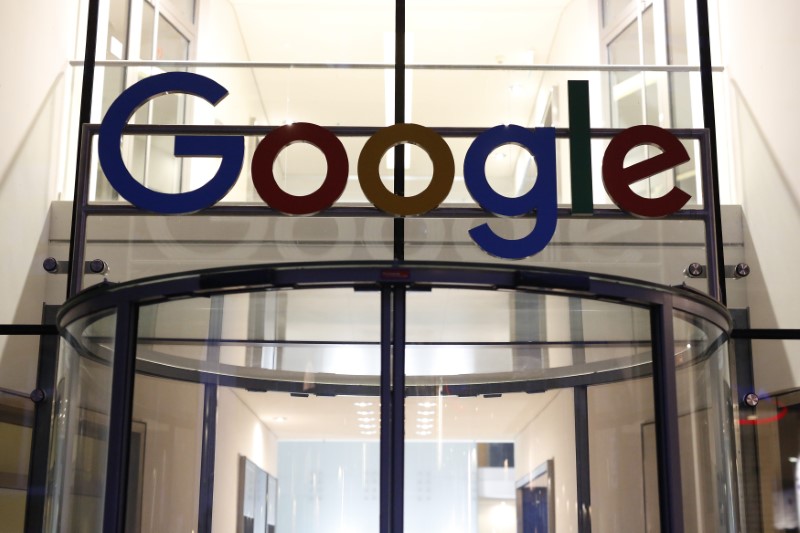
(614, 8)
(309, 336)
(705, 425)
(624, 50)
(316, 31)
(501, 32)
(164, 461)
(327, 459)
(769, 434)
(184, 8)
(16, 428)
(622, 451)
(170, 43)
(79, 441)
(146, 45)
(464, 338)
(136, 247)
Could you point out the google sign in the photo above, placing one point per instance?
(539, 142)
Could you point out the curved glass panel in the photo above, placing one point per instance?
(265, 400)
(79, 442)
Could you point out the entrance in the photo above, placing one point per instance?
(392, 397)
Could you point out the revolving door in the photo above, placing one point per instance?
(391, 397)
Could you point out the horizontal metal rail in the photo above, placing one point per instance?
(390, 66)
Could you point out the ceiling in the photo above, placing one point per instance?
(449, 418)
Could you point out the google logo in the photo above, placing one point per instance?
(539, 142)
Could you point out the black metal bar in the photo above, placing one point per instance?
(358, 131)
(29, 329)
(581, 413)
(188, 64)
(398, 407)
(715, 280)
(399, 118)
(749, 484)
(79, 219)
(386, 413)
(666, 414)
(710, 122)
(119, 418)
(40, 437)
(582, 459)
(87, 90)
(766, 334)
(367, 211)
(207, 461)
(209, 434)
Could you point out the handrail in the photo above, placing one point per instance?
(385, 66)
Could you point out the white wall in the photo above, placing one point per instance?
(173, 414)
(36, 40)
(760, 42)
(239, 432)
(551, 435)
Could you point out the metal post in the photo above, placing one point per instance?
(209, 435)
(581, 408)
(710, 123)
(399, 118)
(386, 413)
(666, 413)
(87, 88)
(119, 417)
(398, 407)
(40, 438)
(80, 201)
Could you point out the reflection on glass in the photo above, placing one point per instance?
(79, 443)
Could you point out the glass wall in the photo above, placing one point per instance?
(366, 397)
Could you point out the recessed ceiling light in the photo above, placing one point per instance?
(367, 419)
(363, 404)
(427, 404)
(425, 420)
(367, 426)
(368, 432)
(426, 413)
(424, 426)
(365, 413)
(423, 433)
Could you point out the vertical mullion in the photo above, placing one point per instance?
(710, 123)
(209, 434)
(385, 512)
(40, 438)
(665, 399)
(119, 417)
(581, 412)
(84, 145)
(398, 406)
(399, 118)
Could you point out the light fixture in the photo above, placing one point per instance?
(365, 413)
(424, 426)
(423, 433)
(425, 420)
(363, 404)
(368, 432)
(792, 459)
(367, 419)
(367, 426)
(426, 413)
(427, 404)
